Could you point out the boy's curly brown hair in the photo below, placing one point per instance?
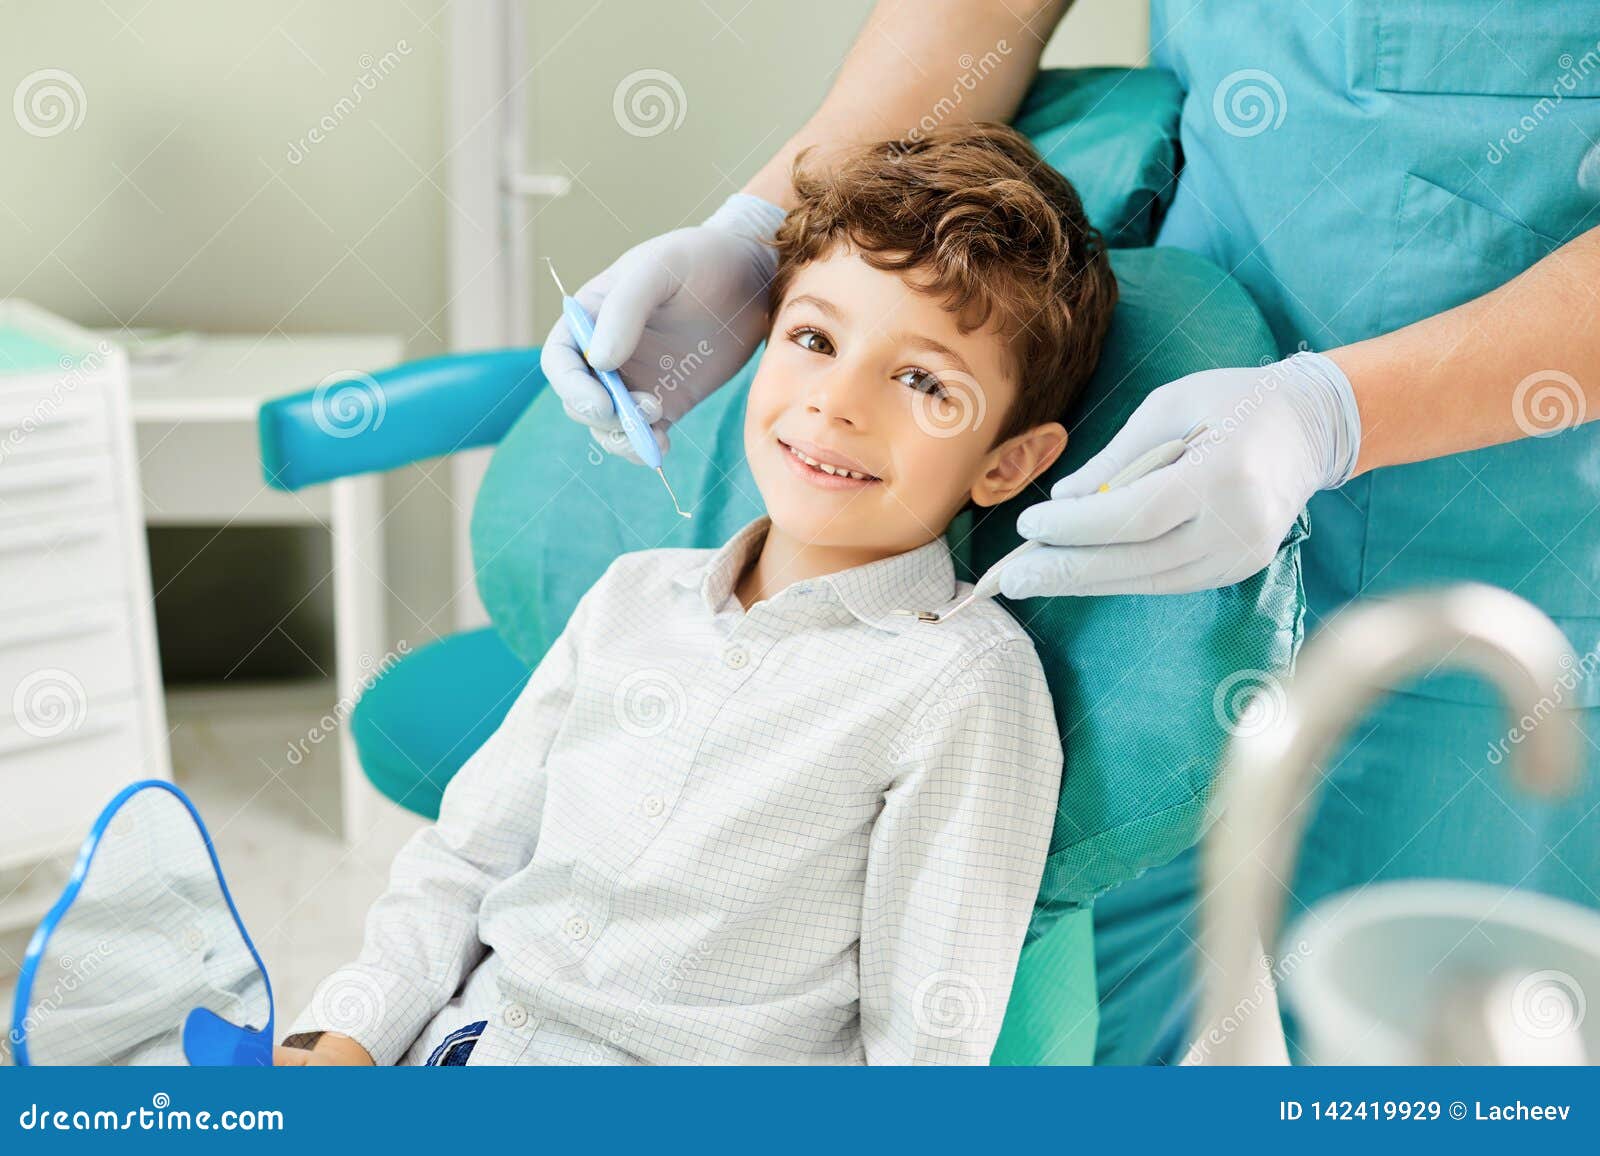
(980, 219)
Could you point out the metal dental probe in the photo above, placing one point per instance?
(633, 423)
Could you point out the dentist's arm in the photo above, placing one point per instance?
(903, 73)
(1520, 361)
(679, 314)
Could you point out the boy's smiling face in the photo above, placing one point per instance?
(875, 381)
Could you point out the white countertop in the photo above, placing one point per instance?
(226, 377)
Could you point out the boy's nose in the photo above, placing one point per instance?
(835, 397)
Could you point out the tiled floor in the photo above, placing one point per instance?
(301, 891)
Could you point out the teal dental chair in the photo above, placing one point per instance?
(1143, 687)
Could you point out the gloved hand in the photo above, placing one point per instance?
(679, 314)
(1216, 516)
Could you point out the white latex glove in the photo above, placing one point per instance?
(1216, 516)
(678, 315)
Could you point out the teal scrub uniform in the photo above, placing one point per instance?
(1359, 166)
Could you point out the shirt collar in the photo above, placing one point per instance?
(920, 579)
(715, 576)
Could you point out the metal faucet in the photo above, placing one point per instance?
(1271, 776)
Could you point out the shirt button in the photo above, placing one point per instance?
(193, 939)
(736, 657)
(577, 927)
(515, 1015)
(653, 805)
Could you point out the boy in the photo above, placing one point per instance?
(748, 808)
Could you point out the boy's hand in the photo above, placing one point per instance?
(330, 1049)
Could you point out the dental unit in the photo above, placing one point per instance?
(1408, 971)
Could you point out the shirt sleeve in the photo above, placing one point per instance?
(955, 860)
(422, 933)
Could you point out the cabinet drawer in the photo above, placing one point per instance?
(55, 784)
(70, 560)
(50, 416)
(64, 661)
(35, 487)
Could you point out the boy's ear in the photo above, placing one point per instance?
(1015, 462)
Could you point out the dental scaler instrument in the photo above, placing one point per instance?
(1148, 462)
(633, 423)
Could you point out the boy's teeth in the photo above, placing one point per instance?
(837, 471)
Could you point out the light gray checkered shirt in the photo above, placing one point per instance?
(809, 833)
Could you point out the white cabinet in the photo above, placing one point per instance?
(199, 455)
(80, 693)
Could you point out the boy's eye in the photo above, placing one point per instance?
(922, 381)
(813, 340)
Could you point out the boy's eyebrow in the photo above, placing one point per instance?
(919, 341)
(914, 340)
(827, 307)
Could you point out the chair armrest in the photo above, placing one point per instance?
(359, 423)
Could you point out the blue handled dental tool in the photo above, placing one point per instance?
(633, 423)
(1148, 462)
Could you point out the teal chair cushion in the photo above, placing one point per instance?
(1113, 132)
(1135, 679)
(418, 723)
